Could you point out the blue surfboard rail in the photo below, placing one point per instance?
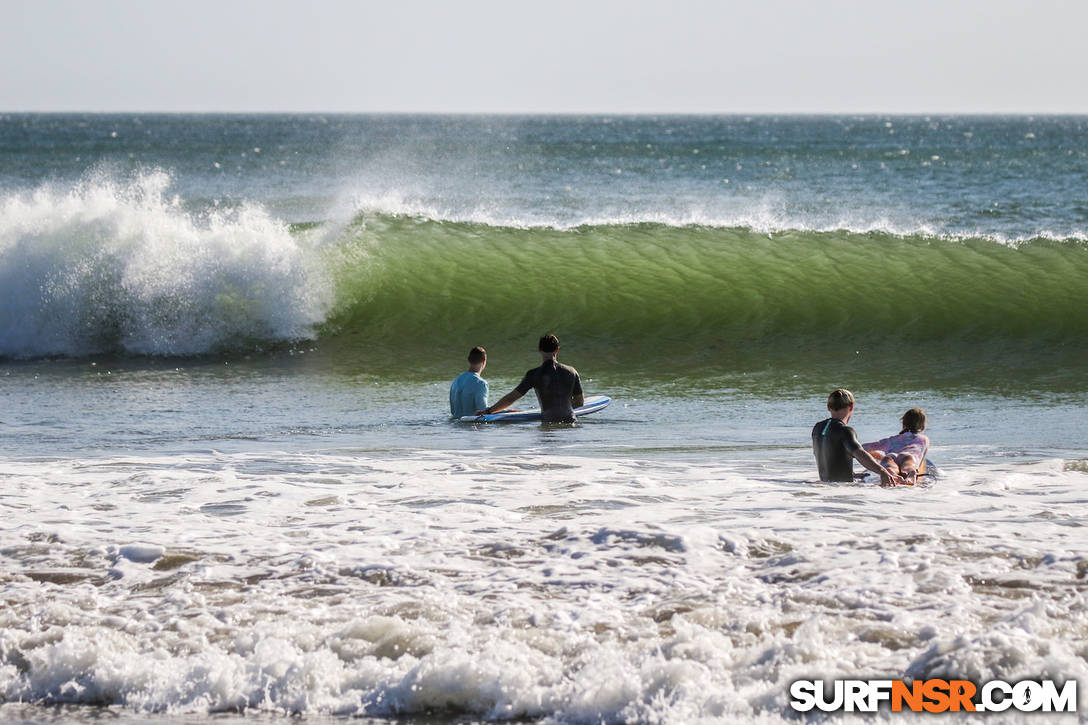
(591, 405)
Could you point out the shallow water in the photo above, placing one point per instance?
(668, 558)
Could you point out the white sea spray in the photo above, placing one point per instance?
(121, 266)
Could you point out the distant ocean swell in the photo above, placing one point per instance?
(126, 270)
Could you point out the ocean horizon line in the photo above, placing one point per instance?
(555, 114)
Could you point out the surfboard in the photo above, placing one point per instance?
(930, 473)
(591, 405)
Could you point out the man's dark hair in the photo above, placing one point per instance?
(548, 343)
(477, 355)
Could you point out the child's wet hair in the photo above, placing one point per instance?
(914, 420)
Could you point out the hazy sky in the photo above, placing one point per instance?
(556, 56)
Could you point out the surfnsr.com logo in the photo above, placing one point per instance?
(933, 696)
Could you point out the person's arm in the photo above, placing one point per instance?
(886, 478)
(880, 445)
(862, 456)
(919, 448)
(577, 399)
(504, 402)
(480, 399)
(507, 400)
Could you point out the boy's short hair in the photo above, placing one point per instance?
(914, 420)
(839, 399)
(477, 355)
(548, 343)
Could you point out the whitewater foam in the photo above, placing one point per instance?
(108, 266)
(521, 586)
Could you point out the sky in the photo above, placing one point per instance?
(558, 56)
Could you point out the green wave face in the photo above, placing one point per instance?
(651, 296)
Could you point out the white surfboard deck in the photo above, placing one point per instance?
(592, 404)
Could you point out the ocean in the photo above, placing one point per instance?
(231, 489)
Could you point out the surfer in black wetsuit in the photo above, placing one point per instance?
(836, 445)
(558, 387)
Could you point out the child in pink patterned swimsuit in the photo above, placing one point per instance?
(904, 454)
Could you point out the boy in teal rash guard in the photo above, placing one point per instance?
(468, 392)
